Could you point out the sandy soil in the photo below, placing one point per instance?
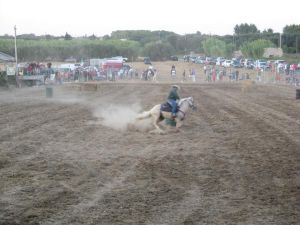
(70, 159)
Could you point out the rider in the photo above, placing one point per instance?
(172, 97)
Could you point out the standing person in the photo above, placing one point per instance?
(172, 99)
(258, 75)
(217, 73)
(173, 72)
(237, 75)
(208, 74)
(224, 72)
(183, 76)
(76, 76)
(155, 75)
(193, 75)
(214, 74)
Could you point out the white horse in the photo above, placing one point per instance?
(157, 115)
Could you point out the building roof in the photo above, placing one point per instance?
(6, 58)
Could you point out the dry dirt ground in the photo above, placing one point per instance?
(70, 160)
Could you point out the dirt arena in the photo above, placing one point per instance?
(70, 160)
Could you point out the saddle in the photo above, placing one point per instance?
(166, 107)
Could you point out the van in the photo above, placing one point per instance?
(115, 65)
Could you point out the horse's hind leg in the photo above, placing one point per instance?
(158, 129)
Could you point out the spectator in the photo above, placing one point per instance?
(213, 74)
(173, 71)
(237, 75)
(183, 76)
(193, 75)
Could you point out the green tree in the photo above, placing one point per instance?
(158, 50)
(268, 31)
(173, 39)
(245, 28)
(290, 38)
(39, 50)
(291, 29)
(106, 37)
(255, 49)
(68, 36)
(214, 47)
(245, 33)
(92, 37)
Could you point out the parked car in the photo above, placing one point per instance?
(220, 61)
(249, 64)
(200, 60)
(174, 58)
(236, 64)
(147, 61)
(193, 59)
(280, 61)
(210, 61)
(227, 63)
(262, 65)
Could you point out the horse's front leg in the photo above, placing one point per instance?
(178, 124)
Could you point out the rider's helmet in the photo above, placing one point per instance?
(176, 87)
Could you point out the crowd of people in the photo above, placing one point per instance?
(275, 72)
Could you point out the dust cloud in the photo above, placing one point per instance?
(121, 117)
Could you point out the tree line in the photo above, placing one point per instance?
(158, 45)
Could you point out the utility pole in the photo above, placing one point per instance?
(280, 39)
(16, 56)
(296, 44)
(233, 43)
(185, 44)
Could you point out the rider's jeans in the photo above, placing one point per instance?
(173, 104)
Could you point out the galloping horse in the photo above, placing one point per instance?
(158, 115)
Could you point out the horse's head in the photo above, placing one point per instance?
(189, 101)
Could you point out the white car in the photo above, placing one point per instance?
(227, 63)
(220, 61)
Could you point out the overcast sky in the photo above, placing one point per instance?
(101, 17)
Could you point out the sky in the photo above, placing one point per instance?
(101, 17)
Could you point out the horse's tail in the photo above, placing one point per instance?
(144, 115)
